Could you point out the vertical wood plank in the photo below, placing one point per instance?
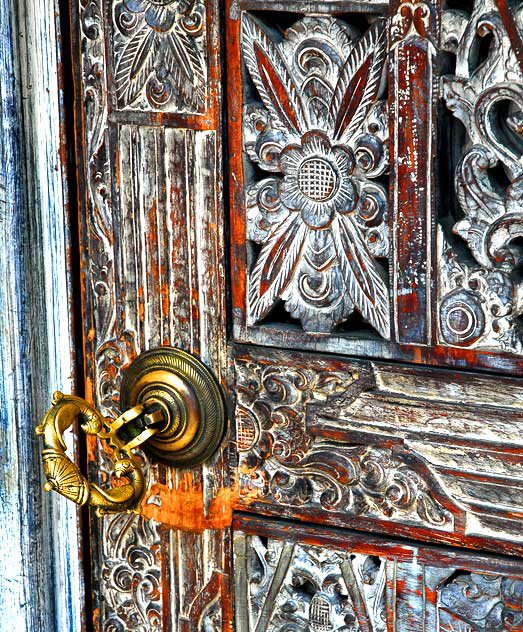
(41, 584)
(412, 35)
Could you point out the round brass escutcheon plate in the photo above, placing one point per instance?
(190, 399)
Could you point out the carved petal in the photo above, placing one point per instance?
(180, 51)
(135, 65)
(359, 82)
(272, 78)
(367, 289)
(276, 265)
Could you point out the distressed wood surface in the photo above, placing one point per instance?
(41, 581)
(148, 97)
(308, 270)
(289, 576)
(419, 452)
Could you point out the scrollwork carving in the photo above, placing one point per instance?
(475, 602)
(485, 94)
(132, 575)
(321, 129)
(281, 462)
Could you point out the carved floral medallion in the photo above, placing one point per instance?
(318, 123)
(159, 55)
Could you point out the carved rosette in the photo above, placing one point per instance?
(316, 589)
(473, 602)
(318, 125)
(159, 55)
(280, 462)
(480, 297)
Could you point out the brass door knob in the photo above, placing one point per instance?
(174, 410)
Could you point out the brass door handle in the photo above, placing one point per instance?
(174, 410)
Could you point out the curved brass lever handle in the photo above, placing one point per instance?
(174, 410)
(65, 477)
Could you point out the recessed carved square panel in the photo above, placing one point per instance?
(159, 57)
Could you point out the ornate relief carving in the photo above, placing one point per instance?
(131, 591)
(472, 602)
(281, 462)
(321, 128)
(412, 19)
(293, 587)
(132, 575)
(481, 299)
(159, 55)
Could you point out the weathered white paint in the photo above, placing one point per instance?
(41, 587)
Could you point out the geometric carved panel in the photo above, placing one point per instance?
(479, 289)
(421, 452)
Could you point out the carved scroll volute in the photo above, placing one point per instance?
(64, 476)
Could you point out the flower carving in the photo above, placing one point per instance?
(159, 54)
(321, 128)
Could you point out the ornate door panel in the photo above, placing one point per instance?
(314, 579)
(148, 123)
(372, 152)
(376, 160)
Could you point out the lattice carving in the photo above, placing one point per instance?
(159, 55)
(294, 587)
(480, 296)
(318, 123)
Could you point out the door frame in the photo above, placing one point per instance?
(41, 578)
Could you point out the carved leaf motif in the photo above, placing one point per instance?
(272, 78)
(359, 82)
(136, 64)
(276, 264)
(362, 278)
(159, 53)
(309, 131)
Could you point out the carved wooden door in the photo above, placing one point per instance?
(323, 200)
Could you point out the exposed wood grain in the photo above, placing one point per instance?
(429, 454)
(41, 584)
(413, 29)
